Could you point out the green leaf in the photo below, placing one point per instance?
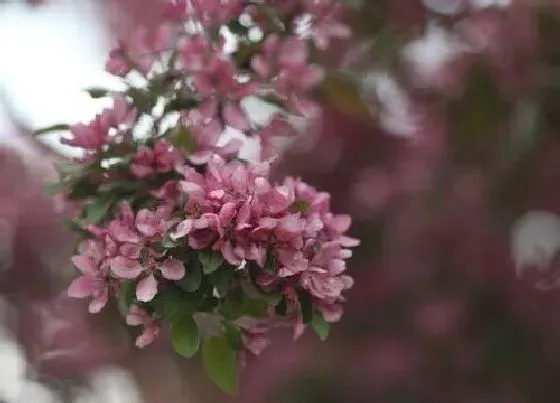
(306, 306)
(220, 362)
(96, 211)
(193, 277)
(50, 129)
(167, 242)
(233, 335)
(301, 206)
(119, 186)
(55, 188)
(282, 308)
(321, 327)
(220, 279)
(183, 140)
(127, 296)
(81, 189)
(210, 260)
(96, 93)
(185, 336)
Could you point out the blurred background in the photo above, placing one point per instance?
(440, 135)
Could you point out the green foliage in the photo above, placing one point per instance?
(185, 336)
(210, 260)
(51, 129)
(321, 327)
(220, 362)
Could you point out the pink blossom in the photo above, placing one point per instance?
(139, 317)
(160, 158)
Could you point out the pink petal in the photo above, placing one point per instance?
(99, 301)
(122, 233)
(148, 335)
(173, 269)
(146, 289)
(126, 268)
(83, 286)
(184, 228)
(349, 242)
(136, 316)
(229, 254)
(191, 187)
(293, 52)
(235, 117)
(260, 66)
(84, 263)
(340, 223)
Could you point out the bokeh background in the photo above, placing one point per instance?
(440, 135)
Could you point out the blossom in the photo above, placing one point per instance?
(139, 317)
(160, 158)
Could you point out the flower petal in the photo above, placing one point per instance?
(173, 269)
(126, 268)
(146, 289)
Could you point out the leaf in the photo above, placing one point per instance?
(81, 189)
(55, 188)
(193, 277)
(50, 129)
(185, 337)
(282, 308)
(96, 93)
(122, 186)
(210, 260)
(220, 362)
(345, 94)
(220, 279)
(306, 305)
(127, 296)
(167, 242)
(233, 335)
(178, 104)
(183, 140)
(96, 211)
(321, 327)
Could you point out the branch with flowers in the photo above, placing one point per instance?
(176, 226)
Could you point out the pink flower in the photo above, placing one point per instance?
(159, 159)
(95, 135)
(139, 317)
(94, 281)
(326, 21)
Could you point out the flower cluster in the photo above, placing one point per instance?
(179, 229)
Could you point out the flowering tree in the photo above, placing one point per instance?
(176, 226)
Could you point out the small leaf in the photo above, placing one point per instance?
(233, 335)
(301, 206)
(220, 362)
(127, 295)
(55, 188)
(96, 211)
(193, 277)
(306, 305)
(321, 327)
(185, 337)
(345, 94)
(50, 129)
(167, 242)
(183, 140)
(282, 308)
(220, 280)
(96, 93)
(210, 260)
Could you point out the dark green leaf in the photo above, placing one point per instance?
(97, 210)
(305, 305)
(127, 295)
(81, 189)
(97, 92)
(321, 327)
(220, 362)
(193, 277)
(178, 104)
(220, 279)
(167, 242)
(282, 308)
(50, 129)
(185, 336)
(210, 260)
(233, 335)
(301, 206)
(118, 186)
